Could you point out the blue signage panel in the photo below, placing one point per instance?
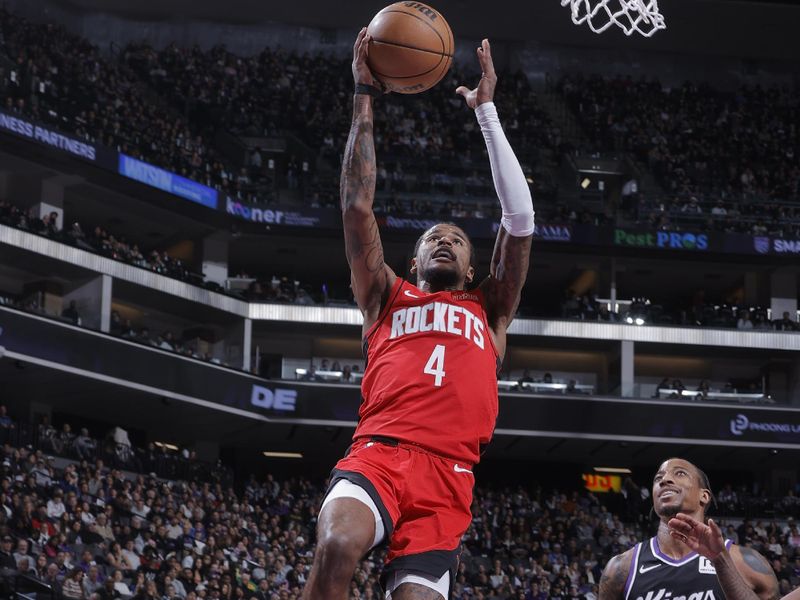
(169, 182)
(22, 127)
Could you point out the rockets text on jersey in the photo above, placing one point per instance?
(440, 317)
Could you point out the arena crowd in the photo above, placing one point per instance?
(726, 160)
(99, 530)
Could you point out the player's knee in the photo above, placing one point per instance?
(340, 550)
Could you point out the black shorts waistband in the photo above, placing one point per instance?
(386, 441)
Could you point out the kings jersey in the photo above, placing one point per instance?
(655, 576)
(431, 374)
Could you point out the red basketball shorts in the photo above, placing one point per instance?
(424, 500)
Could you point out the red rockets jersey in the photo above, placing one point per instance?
(431, 374)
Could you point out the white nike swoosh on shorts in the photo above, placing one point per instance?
(458, 469)
(643, 570)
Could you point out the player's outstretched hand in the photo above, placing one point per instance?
(703, 539)
(361, 72)
(485, 90)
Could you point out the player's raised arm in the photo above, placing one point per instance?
(742, 572)
(371, 278)
(512, 249)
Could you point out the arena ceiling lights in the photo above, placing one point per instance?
(620, 470)
(270, 454)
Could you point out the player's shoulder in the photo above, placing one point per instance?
(756, 570)
(750, 558)
(615, 575)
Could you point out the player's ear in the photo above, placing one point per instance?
(705, 497)
(414, 265)
(470, 274)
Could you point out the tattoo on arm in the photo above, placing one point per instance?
(755, 561)
(358, 166)
(732, 582)
(764, 583)
(615, 575)
(509, 269)
(366, 246)
(363, 246)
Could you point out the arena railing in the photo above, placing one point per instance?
(744, 398)
(165, 465)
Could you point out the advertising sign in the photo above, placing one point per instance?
(23, 127)
(665, 240)
(602, 484)
(169, 182)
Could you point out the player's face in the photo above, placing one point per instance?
(443, 257)
(677, 488)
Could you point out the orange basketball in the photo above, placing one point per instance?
(412, 47)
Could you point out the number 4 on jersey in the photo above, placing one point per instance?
(435, 365)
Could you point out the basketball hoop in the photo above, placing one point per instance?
(640, 16)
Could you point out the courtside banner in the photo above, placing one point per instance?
(55, 345)
(45, 135)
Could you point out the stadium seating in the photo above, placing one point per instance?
(182, 532)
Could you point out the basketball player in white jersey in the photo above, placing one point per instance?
(667, 567)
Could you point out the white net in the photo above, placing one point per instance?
(639, 16)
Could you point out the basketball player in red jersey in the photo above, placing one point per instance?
(430, 386)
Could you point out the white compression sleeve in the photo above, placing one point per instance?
(509, 180)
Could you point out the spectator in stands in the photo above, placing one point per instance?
(347, 374)
(116, 323)
(5, 421)
(73, 587)
(21, 552)
(144, 336)
(118, 584)
(103, 528)
(92, 582)
(572, 387)
(25, 566)
(760, 322)
(6, 556)
(55, 506)
(526, 378)
(71, 313)
(85, 446)
(692, 207)
(744, 321)
(785, 323)
(63, 441)
(719, 210)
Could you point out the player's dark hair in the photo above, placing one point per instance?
(473, 261)
(705, 483)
